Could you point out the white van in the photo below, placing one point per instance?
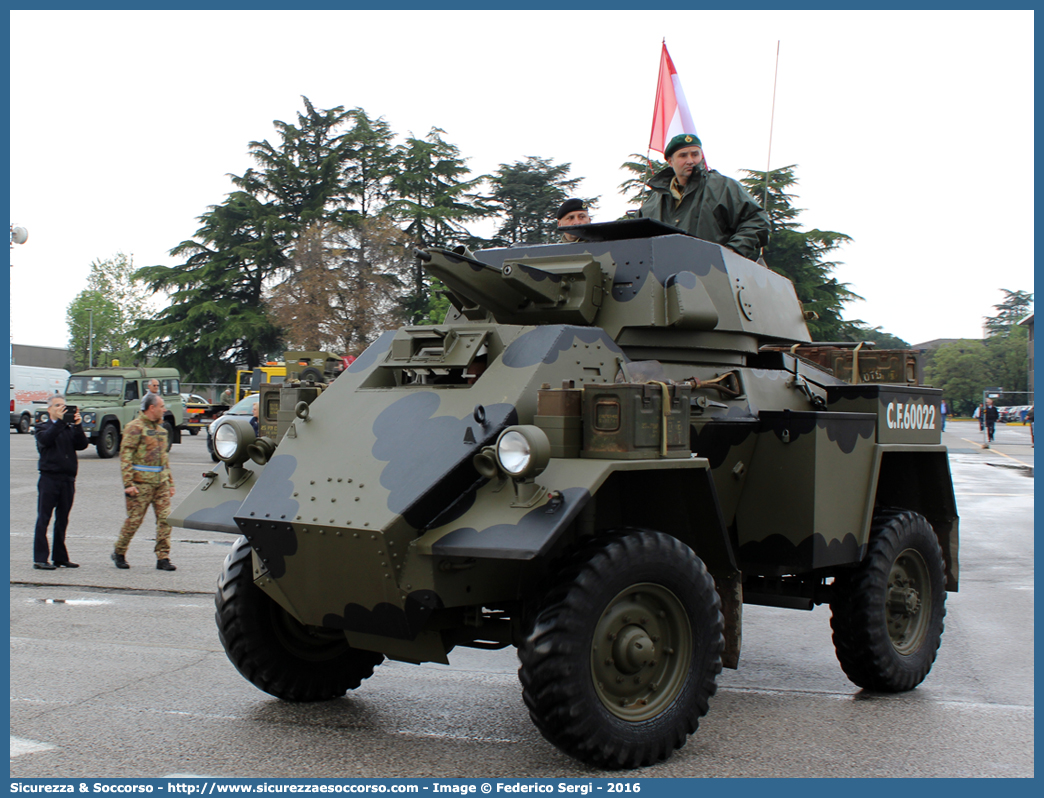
(30, 389)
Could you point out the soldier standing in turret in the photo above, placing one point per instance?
(146, 481)
(704, 203)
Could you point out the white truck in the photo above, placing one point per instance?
(31, 386)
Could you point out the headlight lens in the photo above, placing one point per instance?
(226, 441)
(514, 452)
(88, 419)
(523, 451)
(232, 436)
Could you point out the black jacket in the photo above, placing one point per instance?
(57, 443)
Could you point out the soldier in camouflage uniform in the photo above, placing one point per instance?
(146, 480)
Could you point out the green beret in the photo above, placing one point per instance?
(682, 140)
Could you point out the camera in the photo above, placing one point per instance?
(70, 413)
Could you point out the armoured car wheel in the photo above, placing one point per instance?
(623, 654)
(273, 650)
(108, 441)
(887, 613)
(210, 448)
(23, 424)
(170, 434)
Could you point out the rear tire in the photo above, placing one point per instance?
(273, 650)
(108, 441)
(887, 613)
(622, 656)
(24, 422)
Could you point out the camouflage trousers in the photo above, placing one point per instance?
(159, 497)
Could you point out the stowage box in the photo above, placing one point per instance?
(627, 421)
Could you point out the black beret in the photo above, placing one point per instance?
(682, 140)
(569, 206)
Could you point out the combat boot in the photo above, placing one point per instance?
(120, 562)
(165, 565)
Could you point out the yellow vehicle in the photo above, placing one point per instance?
(248, 381)
(320, 367)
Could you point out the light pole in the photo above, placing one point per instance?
(90, 340)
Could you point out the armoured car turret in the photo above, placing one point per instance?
(602, 454)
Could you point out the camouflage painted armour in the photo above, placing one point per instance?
(144, 444)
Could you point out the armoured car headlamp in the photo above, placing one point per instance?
(523, 451)
(232, 436)
(88, 419)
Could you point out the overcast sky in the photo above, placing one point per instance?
(912, 131)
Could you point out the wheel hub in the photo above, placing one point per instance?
(908, 614)
(641, 652)
(633, 649)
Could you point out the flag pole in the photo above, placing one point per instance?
(772, 120)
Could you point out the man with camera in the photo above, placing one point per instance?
(58, 438)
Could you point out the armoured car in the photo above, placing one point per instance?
(605, 451)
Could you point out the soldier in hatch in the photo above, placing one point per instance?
(571, 212)
(703, 202)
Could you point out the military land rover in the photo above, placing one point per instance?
(110, 398)
(605, 451)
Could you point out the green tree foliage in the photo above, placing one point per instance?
(526, 195)
(117, 302)
(642, 169)
(963, 369)
(803, 256)
(433, 200)
(314, 246)
(1015, 306)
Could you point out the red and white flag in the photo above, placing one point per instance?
(671, 115)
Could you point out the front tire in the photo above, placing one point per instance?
(887, 613)
(273, 650)
(24, 423)
(108, 441)
(623, 654)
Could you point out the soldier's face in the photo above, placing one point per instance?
(576, 217)
(155, 413)
(683, 161)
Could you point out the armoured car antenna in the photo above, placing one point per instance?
(772, 119)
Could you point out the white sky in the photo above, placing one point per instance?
(912, 131)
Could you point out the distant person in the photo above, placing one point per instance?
(1029, 418)
(146, 481)
(991, 415)
(703, 202)
(979, 414)
(226, 396)
(152, 388)
(943, 410)
(254, 422)
(58, 439)
(572, 212)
